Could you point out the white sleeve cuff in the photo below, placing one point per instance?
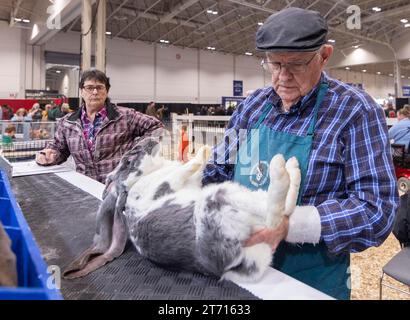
(304, 225)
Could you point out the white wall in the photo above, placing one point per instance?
(11, 63)
(143, 72)
(378, 86)
(245, 70)
(176, 74)
(130, 70)
(21, 65)
(216, 76)
(365, 54)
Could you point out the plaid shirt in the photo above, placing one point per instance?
(350, 178)
(118, 132)
(89, 128)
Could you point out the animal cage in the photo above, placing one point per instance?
(22, 140)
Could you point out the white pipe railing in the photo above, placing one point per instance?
(201, 129)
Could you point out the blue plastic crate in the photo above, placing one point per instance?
(31, 268)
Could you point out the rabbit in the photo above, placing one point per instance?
(161, 206)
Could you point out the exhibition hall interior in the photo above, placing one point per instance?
(204, 150)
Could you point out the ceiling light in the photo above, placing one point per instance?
(364, 70)
(347, 68)
(26, 20)
(331, 40)
(407, 25)
(404, 20)
(249, 53)
(164, 41)
(260, 23)
(108, 32)
(390, 74)
(209, 11)
(378, 72)
(356, 46)
(17, 19)
(210, 48)
(377, 9)
(402, 77)
(58, 71)
(214, 12)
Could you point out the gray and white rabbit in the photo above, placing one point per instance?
(161, 206)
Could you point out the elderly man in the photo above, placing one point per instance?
(348, 197)
(99, 133)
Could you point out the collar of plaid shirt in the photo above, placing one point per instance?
(301, 105)
(91, 128)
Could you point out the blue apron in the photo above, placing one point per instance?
(311, 264)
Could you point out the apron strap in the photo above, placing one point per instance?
(266, 108)
(320, 97)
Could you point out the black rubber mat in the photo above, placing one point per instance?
(62, 219)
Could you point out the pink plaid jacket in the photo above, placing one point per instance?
(117, 134)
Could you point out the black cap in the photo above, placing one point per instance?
(292, 29)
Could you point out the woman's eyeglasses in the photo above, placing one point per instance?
(90, 89)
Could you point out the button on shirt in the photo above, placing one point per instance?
(91, 128)
(350, 178)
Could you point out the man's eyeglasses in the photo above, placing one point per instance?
(292, 67)
(90, 89)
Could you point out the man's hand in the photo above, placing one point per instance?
(270, 236)
(46, 157)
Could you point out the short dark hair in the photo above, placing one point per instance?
(95, 74)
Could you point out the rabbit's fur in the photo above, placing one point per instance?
(175, 222)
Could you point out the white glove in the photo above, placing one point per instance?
(304, 225)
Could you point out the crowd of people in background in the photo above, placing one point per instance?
(52, 112)
(399, 133)
(389, 109)
(49, 112)
(37, 113)
(162, 112)
(155, 112)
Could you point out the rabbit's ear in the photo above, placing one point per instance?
(109, 240)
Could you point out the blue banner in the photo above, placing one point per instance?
(406, 91)
(237, 88)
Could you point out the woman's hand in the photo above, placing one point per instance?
(46, 157)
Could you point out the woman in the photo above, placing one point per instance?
(99, 132)
(399, 133)
(22, 115)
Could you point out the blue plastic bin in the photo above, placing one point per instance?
(31, 268)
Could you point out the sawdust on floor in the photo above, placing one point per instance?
(366, 268)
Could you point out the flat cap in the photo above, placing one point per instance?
(292, 29)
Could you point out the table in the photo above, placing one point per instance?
(60, 209)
